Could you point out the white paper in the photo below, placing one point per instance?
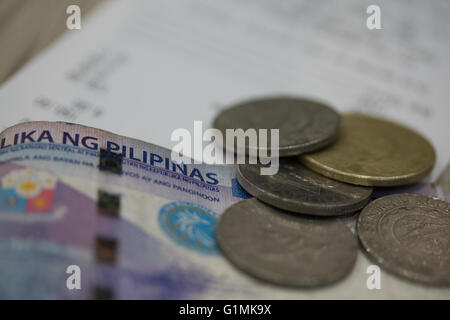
(145, 68)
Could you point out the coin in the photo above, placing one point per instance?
(298, 189)
(374, 152)
(285, 249)
(442, 185)
(304, 125)
(408, 235)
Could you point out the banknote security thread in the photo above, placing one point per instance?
(102, 293)
(110, 161)
(106, 249)
(298, 189)
(285, 249)
(374, 152)
(304, 125)
(108, 203)
(408, 235)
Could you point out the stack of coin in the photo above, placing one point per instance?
(290, 231)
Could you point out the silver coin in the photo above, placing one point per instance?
(304, 125)
(298, 189)
(285, 249)
(408, 235)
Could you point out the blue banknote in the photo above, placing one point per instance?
(137, 224)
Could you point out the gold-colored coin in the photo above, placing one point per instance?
(374, 152)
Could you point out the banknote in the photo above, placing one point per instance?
(136, 224)
(125, 226)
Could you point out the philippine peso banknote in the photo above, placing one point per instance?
(135, 223)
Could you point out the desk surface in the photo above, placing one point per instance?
(28, 26)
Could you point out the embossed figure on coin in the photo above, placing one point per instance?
(304, 125)
(285, 249)
(409, 235)
(298, 189)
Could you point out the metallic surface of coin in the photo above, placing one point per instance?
(374, 152)
(304, 125)
(298, 189)
(285, 249)
(409, 235)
